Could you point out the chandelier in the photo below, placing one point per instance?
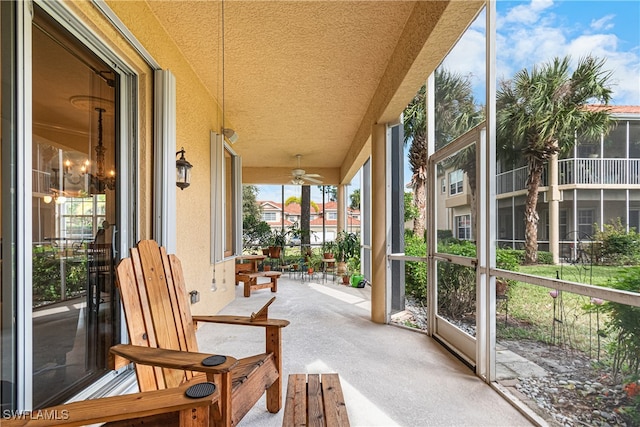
(101, 181)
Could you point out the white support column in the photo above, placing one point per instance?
(554, 210)
(379, 229)
(486, 199)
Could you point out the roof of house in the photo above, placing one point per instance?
(617, 109)
(294, 208)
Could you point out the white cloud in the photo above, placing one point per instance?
(467, 59)
(530, 34)
(603, 23)
(527, 13)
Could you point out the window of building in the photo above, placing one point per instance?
(443, 185)
(463, 227)
(585, 222)
(269, 216)
(226, 200)
(455, 182)
(332, 215)
(229, 202)
(81, 217)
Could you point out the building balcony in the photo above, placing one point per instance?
(576, 171)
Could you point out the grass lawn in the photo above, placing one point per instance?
(569, 319)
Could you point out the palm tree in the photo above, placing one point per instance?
(415, 133)
(455, 113)
(305, 203)
(539, 115)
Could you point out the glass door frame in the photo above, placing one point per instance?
(461, 343)
(127, 183)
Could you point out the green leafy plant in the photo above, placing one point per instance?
(347, 246)
(624, 326)
(616, 246)
(329, 247)
(279, 237)
(353, 265)
(415, 273)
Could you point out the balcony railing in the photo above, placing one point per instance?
(577, 171)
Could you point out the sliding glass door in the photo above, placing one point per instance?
(74, 205)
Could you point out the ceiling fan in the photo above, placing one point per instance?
(299, 177)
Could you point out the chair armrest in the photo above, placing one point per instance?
(173, 359)
(241, 320)
(116, 408)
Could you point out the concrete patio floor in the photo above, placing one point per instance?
(390, 376)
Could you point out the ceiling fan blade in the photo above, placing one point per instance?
(315, 181)
(312, 175)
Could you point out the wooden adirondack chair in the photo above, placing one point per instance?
(164, 350)
(150, 408)
(156, 307)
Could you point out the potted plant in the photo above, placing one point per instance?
(278, 240)
(347, 246)
(329, 249)
(313, 263)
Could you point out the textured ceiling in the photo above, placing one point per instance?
(301, 77)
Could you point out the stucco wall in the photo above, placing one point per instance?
(196, 116)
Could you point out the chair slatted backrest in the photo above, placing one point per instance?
(155, 303)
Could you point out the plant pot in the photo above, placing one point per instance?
(345, 279)
(265, 251)
(327, 255)
(267, 267)
(342, 267)
(310, 270)
(274, 251)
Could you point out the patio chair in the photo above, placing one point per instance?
(164, 351)
(156, 307)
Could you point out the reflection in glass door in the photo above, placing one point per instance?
(74, 211)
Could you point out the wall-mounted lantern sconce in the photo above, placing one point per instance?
(194, 296)
(183, 171)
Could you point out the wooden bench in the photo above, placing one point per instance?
(249, 277)
(315, 400)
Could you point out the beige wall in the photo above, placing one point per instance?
(197, 114)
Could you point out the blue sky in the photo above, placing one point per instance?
(533, 32)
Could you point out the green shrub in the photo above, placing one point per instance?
(47, 282)
(507, 259)
(616, 246)
(415, 272)
(456, 283)
(543, 256)
(445, 236)
(624, 326)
